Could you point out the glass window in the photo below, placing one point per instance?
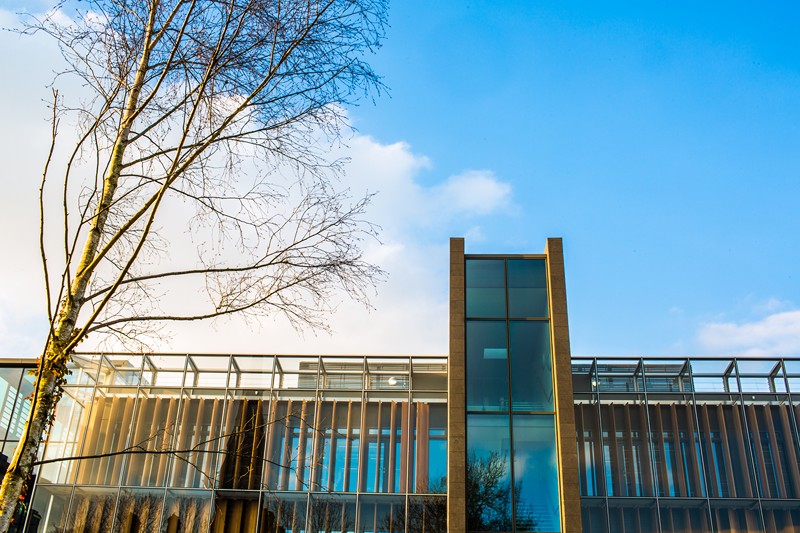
(65, 439)
(352, 481)
(331, 513)
(339, 458)
(283, 512)
(536, 473)
(242, 444)
(109, 431)
(488, 473)
(381, 514)
(49, 509)
(198, 431)
(527, 288)
(9, 396)
(233, 511)
(486, 293)
(92, 509)
(437, 452)
(426, 514)
(531, 368)
(139, 510)
(487, 366)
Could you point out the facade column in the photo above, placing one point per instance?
(456, 400)
(562, 366)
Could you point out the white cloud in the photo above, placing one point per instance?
(475, 192)
(403, 203)
(772, 305)
(773, 335)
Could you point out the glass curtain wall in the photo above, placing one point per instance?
(230, 444)
(688, 445)
(512, 467)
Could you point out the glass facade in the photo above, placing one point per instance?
(338, 444)
(679, 445)
(244, 443)
(512, 481)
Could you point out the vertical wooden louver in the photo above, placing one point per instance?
(731, 456)
(245, 450)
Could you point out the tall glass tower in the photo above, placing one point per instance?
(512, 441)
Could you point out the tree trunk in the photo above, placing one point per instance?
(49, 376)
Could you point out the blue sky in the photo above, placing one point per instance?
(661, 142)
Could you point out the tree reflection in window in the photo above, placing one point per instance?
(489, 496)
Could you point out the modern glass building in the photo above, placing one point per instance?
(506, 433)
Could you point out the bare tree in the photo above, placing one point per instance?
(185, 95)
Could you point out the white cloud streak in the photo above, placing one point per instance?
(475, 192)
(777, 334)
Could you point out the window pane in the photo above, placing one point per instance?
(486, 293)
(139, 510)
(487, 366)
(381, 514)
(426, 514)
(285, 512)
(331, 513)
(527, 288)
(536, 473)
(437, 449)
(92, 509)
(488, 473)
(531, 370)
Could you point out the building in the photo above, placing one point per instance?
(505, 433)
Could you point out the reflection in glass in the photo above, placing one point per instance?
(186, 510)
(486, 293)
(332, 513)
(381, 514)
(426, 514)
(283, 513)
(235, 511)
(531, 369)
(240, 464)
(49, 508)
(487, 368)
(139, 510)
(488, 473)
(527, 288)
(92, 509)
(536, 473)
